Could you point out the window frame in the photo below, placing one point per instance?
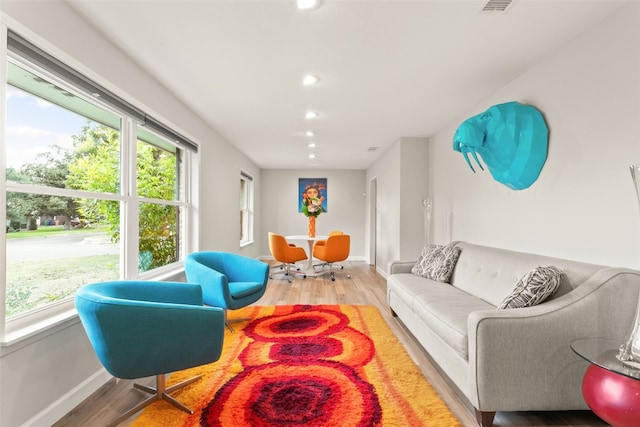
(248, 211)
(24, 325)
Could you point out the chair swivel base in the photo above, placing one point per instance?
(332, 269)
(289, 277)
(288, 273)
(333, 277)
(328, 264)
(228, 322)
(158, 393)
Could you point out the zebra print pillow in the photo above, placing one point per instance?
(535, 287)
(436, 262)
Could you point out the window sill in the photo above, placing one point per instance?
(34, 327)
(28, 334)
(247, 243)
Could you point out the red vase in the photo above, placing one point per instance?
(312, 226)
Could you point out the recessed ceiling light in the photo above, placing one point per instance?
(310, 79)
(311, 145)
(307, 4)
(309, 133)
(311, 115)
(312, 156)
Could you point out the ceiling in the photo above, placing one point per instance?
(388, 68)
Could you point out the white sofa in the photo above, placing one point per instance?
(514, 359)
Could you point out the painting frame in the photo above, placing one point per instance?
(305, 184)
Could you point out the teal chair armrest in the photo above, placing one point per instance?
(243, 269)
(228, 280)
(215, 285)
(150, 291)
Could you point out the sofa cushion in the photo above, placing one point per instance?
(535, 287)
(436, 262)
(491, 273)
(445, 309)
(406, 286)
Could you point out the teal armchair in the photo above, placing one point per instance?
(228, 280)
(143, 328)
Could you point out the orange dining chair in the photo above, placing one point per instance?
(335, 249)
(332, 233)
(286, 253)
(324, 242)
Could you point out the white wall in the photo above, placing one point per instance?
(44, 377)
(346, 204)
(220, 199)
(401, 173)
(583, 205)
(386, 172)
(414, 191)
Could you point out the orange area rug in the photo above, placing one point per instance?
(303, 366)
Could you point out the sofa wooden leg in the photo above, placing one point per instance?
(485, 419)
(393, 313)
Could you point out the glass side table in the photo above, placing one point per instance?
(610, 388)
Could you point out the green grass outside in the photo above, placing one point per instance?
(33, 284)
(30, 285)
(50, 230)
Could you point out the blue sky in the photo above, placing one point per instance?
(34, 125)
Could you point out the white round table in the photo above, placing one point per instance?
(310, 241)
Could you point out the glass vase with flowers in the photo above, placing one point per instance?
(312, 207)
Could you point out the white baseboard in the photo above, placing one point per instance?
(70, 400)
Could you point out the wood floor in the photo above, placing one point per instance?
(364, 287)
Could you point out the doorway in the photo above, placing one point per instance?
(373, 221)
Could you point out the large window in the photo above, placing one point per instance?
(159, 186)
(92, 191)
(246, 208)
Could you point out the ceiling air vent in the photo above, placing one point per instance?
(496, 5)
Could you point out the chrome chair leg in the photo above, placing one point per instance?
(227, 321)
(288, 273)
(160, 392)
(332, 269)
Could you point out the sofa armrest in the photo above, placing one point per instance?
(524, 355)
(398, 267)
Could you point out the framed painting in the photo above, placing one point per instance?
(312, 188)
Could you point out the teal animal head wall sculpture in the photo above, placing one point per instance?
(512, 140)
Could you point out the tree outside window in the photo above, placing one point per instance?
(65, 201)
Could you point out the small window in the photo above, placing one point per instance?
(246, 208)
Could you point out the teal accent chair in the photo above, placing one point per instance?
(143, 328)
(228, 280)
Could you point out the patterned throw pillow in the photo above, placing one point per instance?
(436, 262)
(535, 287)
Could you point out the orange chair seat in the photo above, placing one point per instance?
(335, 249)
(286, 253)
